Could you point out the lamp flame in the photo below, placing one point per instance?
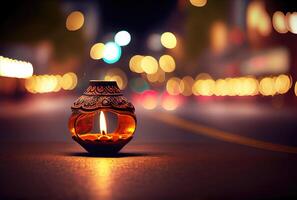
(103, 129)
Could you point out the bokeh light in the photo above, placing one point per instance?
(97, 51)
(69, 81)
(122, 38)
(118, 75)
(279, 22)
(258, 19)
(159, 76)
(198, 3)
(139, 85)
(173, 86)
(266, 86)
(282, 84)
(170, 102)
(15, 68)
(154, 42)
(292, 22)
(186, 85)
(167, 63)
(75, 21)
(112, 53)
(149, 65)
(149, 99)
(168, 40)
(204, 87)
(218, 37)
(51, 83)
(135, 63)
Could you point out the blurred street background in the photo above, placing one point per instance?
(213, 83)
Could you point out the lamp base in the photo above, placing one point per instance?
(102, 147)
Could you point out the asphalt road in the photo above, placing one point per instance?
(202, 151)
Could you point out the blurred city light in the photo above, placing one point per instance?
(154, 42)
(258, 19)
(168, 40)
(282, 84)
(139, 85)
(204, 87)
(51, 83)
(135, 63)
(149, 65)
(218, 36)
(186, 85)
(198, 3)
(112, 53)
(118, 75)
(15, 68)
(69, 81)
(170, 102)
(173, 86)
(97, 51)
(167, 63)
(266, 86)
(159, 76)
(122, 38)
(149, 99)
(75, 21)
(292, 22)
(279, 22)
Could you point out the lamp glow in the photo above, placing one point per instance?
(103, 129)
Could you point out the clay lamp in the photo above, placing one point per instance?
(101, 97)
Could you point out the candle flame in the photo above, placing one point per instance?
(103, 129)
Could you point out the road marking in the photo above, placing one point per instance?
(221, 135)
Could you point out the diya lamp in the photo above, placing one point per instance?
(101, 97)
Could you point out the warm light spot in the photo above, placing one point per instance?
(258, 19)
(264, 25)
(170, 102)
(122, 38)
(279, 22)
(186, 85)
(118, 75)
(266, 87)
(135, 64)
(218, 37)
(292, 22)
(204, 87)
(112, 52)
(149, 99)
(97, 51)
(69, 81)
(168, 40)
(15, 68)
(173, 86)
(75, 21)
(282, 84)
(203, 76)
(198, 3)
(149, 65)
(221, 88)
(159, 76)
(167, 63)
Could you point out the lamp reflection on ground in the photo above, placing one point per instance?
(102, 178)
